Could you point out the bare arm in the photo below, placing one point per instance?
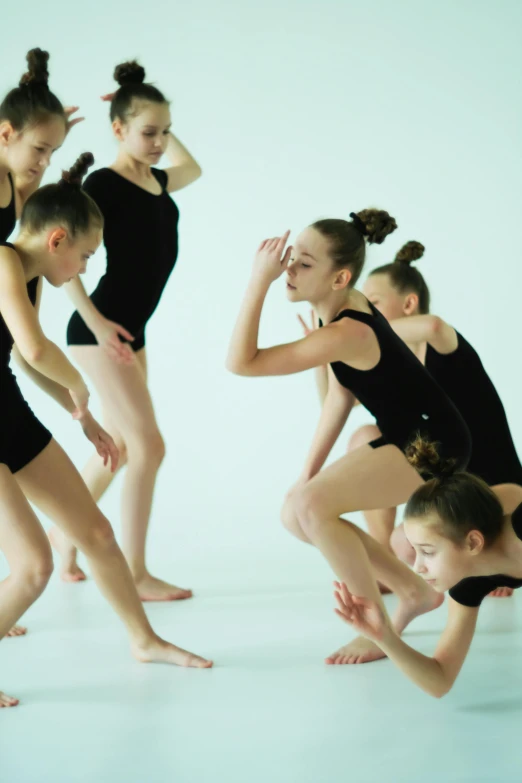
(337, 341)
(22, 321)
(427, 329)
(437, 675)
(106, 332)
(79, 297)
(184, 169)
(434, 675)
(50, 387)
(337, 406)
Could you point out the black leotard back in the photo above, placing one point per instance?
(22, 435)
(402, 395)
(472, 590)
(8, 215)
(464, 379)
(141, 239)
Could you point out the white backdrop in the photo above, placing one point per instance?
(296, 110)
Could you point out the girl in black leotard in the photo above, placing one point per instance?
(33, 124)
(400, 293)
(107, 333)
(467, 539)
(366, 360)
(60, 228)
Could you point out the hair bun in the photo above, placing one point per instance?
(129, 73)
(409, 252)
(375, 224)
(74, 176)
(37, 64)
(423, 455)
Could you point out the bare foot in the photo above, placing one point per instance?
(151, 589)
(70, 571)
(409, 608)
(160, 651)
(501, 592)
(7, 701)
(17, 630)
(361, 650)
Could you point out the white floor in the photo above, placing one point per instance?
(270, 711)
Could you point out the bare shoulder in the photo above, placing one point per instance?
(10, 262)
(509, 495)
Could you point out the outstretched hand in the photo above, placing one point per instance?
(70, 123)
(271, 258)
(108, 96)
(314, 323)
(363, 614)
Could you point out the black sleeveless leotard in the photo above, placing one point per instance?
(8, 215)
(141, 240)
(402, 396)
(462, 376)
(22, 435)
(472, 590)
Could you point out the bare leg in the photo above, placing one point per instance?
(26, 548)
(53, 484)
(129, 417)
(98, 479)
(380, 521)
(360, 479)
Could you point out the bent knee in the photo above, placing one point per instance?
(363, 435)
(149, 446)
(98, 536)
(310, 504)
(35, 570)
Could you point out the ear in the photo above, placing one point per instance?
(475, 542)
(342, 279)
(411, 304)
(6, 132)
(56, 238)
(117, 129)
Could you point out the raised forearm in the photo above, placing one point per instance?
(243, 346)
(178, 154)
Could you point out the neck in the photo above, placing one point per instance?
(335, 303)
(4, 170)
(125, 162)
(32, 254)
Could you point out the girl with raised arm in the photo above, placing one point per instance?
(367, 361)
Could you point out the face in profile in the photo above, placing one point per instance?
(144, 135)
(68, 255)
(380, 292)
(311, 276)
(28, 151)
(438, 559)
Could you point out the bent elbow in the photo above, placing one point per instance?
(33, 353)
(441, 690)
(234, 367)
(435, 325)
